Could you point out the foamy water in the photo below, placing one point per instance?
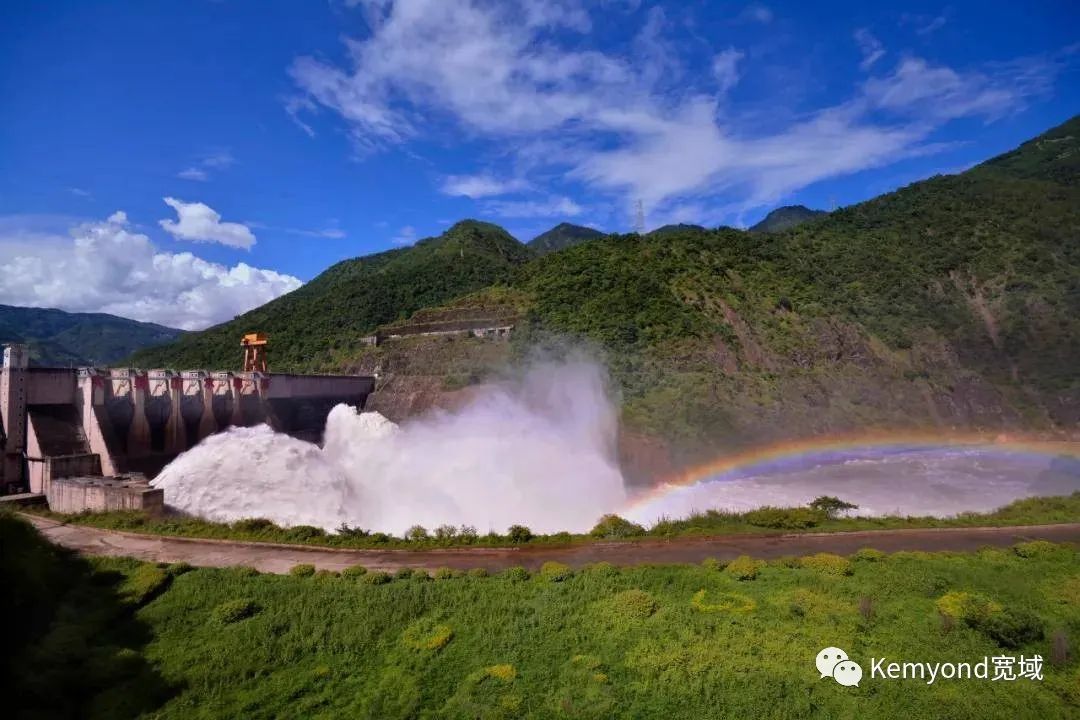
(539, 451)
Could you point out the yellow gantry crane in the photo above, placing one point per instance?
(254, 345)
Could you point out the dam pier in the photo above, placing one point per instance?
(90, 438)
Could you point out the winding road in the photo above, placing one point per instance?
(278, 558)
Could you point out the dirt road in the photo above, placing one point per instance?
(269, 557)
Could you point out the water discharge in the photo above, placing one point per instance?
(539, 451)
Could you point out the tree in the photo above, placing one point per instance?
(830, 505)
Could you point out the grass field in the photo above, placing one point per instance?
(1030, 511)
(645, 642)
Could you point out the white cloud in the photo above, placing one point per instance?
(200, 223)
(79, 192)
(725, 68)
(405, 236)
(480, 186)
(193, 173)
(105, 266)
(551, 207)
(758, 13)
(218, 160)
(871, 48)
(495, 71)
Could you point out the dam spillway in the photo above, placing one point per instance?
(76, 422)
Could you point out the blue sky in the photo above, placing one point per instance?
(182, 162)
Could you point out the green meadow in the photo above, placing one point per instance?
(118, 638)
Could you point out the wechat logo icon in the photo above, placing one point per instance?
(834, 662)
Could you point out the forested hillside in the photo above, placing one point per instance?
(58, 338)
(951, 303)
(562, 236)
(313, 327)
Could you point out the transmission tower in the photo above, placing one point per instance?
(639, 218)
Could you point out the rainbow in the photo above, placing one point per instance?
(793, 455)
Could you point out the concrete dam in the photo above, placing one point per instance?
(115, 424)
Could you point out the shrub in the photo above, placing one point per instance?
(416, 533)
(420, 574)
(633, 605)
(255, 526)
(144, 584)
(788, 561)
(868, 554)
(445, 573)
(245, 571)
(424, 634)
(1012, 629)
(783, 518)
(379, 538)
(302, 570)
(711, 563)
(506, 673)
(830, 506)
(743, 567)
(325, 574)
(972, 608)
(555, 571)
(602, 569)
(467, 534)
(234, 611)
(478, 573)
(1036, 549)
(827, 564)
(519, 534)
(613, 526)
(353, 572)
(302, 533)
(516, 574)
(377, 578)
(561, 537)
(403, 573)
(723, 602)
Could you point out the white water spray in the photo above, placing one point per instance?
(539, 452)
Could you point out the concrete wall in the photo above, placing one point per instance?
(138, 421)
(72, 495)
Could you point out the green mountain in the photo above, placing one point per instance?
(950, 304)
(664, 230)
(784, 218)
(315, 326)
(562, 236)
(58, 338)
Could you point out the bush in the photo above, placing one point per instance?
(302, 570)
(632, 605)
(972, 608)
(519, 534)
(724, 602)
(1037, 549)
(420, 574)
(467, 534)
(377, 578)
(303, 533)
(351, 532)
(245, 571)
(478, 573)
(325, 574)
(416, 533)
(713, 564)
(868, 555)
(743, 567)
(234, 611)
(788, 561)
(1012, 629)
(379, 538)
(445, 573)
(403, 573)
(555, 571)
(827, 564)
(602, 569)
(516, 574)
(255, 526)
(353, 572)
(784, 518)
(426, 635)
(144, 584)
(613, 526)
